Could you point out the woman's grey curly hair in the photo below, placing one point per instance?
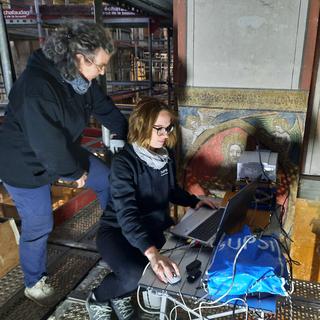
(75, 37)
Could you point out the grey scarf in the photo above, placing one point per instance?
(79, 84)
(155, 160)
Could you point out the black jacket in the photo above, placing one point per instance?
(39, 139)
(140, 197)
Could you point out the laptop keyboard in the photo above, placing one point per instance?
(208, 227)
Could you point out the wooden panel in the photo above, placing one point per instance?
(310, 44)
(311, 153)
(179, 38)
(306, 240)
(66, 202)
(9, 252)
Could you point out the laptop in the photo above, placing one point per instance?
(207, 225)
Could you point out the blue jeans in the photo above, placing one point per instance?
(35, 211)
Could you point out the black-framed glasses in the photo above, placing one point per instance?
(100, 67)
(161, 131)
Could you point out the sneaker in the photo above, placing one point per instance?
(98, 310)
(123, 308)
(148, 316)
(41, 293)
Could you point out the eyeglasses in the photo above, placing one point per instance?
(100, 67)
(161, 131)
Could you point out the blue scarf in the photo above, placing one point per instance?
(79, 84)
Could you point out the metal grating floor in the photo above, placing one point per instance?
(306, 291)
(12, 282)
(297, 311)
(70, 265)
(67, 268)
(80, 231)
(73, 307)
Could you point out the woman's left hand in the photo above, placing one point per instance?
(206, 202)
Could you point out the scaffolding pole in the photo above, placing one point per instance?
(150, 57)
(98, 19)
(5, 55)
(39, 23)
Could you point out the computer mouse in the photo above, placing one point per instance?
(175, 279)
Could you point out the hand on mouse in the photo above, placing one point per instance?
(164, 268)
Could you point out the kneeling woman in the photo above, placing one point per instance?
(143, 182)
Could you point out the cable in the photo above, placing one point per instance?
(175, 312)
(184, 303)
(284, 232)
(138, 298)
(261, 164)
(207, 305)
(263, 277)
(144, 270)
(288, 191)
(178, 247)
(203, 281)
(290, 262)
(233, 270)
(233, 277)
(186, 308)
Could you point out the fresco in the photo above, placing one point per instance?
(214, 139)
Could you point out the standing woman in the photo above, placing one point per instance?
(143, 182)
(49, 107)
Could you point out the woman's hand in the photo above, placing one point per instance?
(206, 202)
(162, 266)
(82, 180)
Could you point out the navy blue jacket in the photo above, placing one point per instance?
(140, 197)
(40, 136)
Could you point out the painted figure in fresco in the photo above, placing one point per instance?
(206, 170)
(234, 152)
(280, 134)
(233, 146)
(188, 130)
(213, 167)
(192, 126)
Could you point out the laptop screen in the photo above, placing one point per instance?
(238, 206)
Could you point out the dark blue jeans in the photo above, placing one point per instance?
(35, 211)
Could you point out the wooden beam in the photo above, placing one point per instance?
(9, 250)
(310, 45)
(179, 42)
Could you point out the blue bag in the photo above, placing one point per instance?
(260, 266)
